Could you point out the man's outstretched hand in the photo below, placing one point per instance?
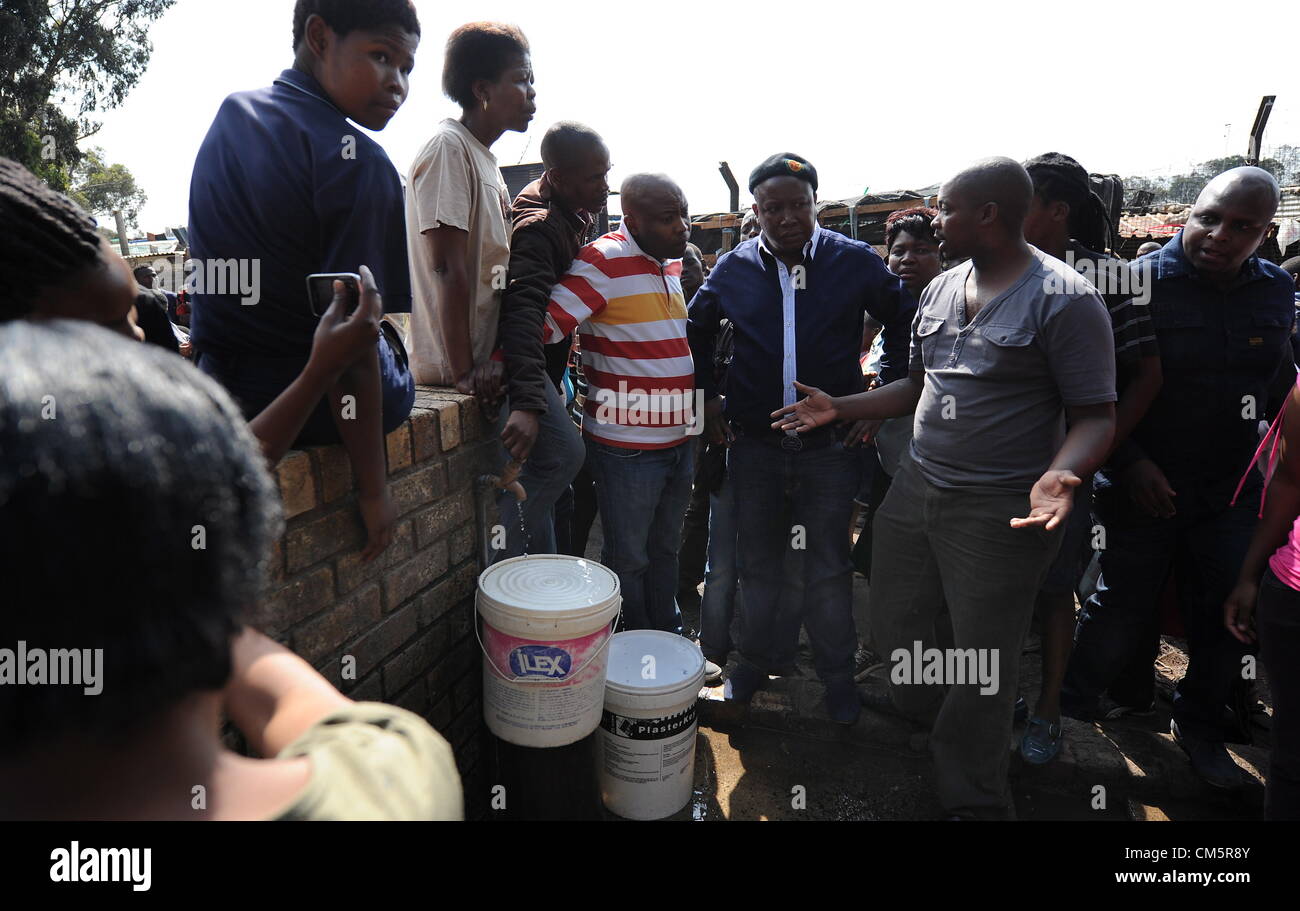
(1050, 501)
(813, 410)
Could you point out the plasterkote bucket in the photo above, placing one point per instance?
(547, 623)
(648, 728)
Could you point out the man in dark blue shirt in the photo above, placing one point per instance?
(795, 296)
(1223, 320)
(286, 185)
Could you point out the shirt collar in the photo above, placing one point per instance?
(307, 84)
(1173, 263)
(809, 249)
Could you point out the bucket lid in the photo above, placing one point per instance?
(677, 662)
(557, 586)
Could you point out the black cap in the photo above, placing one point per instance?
(785, 164)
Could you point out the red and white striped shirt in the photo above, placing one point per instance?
(631, 320)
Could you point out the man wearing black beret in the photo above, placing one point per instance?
(796, 296)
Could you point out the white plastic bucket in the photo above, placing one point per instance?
(547, 623)
(647, 731)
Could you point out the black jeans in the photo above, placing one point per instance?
(1277, 619)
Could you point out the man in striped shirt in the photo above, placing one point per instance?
(623, 295)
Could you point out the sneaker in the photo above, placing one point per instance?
(842, 702)
(1210, 760)
(864, 659)
(744, 681)
(1042, 741)
(712, 673)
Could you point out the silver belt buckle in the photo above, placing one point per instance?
(792, 442)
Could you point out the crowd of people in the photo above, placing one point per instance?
(1009, 426)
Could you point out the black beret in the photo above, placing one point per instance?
(785, 164)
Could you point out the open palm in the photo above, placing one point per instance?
(1050, 500)
(813, 410)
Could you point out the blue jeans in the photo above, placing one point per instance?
(788, 499)
(556, 458)
(720, 574)
(642, 494)
(1205, 548)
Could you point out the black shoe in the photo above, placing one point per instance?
(744, 681)
(864, 659)
(878, 699)
(1210, 760)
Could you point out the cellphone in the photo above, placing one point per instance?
(320, 290)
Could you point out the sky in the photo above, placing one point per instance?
(878, 97)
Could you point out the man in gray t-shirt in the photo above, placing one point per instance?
(1007, 351)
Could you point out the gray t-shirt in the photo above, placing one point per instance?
(991, 415)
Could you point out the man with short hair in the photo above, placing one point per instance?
(623, 296)
(1150, 246)
(1223, 318)
(1004, 346)
(796, 298)
(551, 218)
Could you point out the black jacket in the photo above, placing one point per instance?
(545, 241)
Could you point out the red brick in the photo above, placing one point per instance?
(275, 564)
(297, 484)
(438, 521)
(426, 438)
(327, 633)
(414, 661)
(372, 649)
(468, 723)
(319, 538)
(352, 572)
(369, 690)
(335, 471)
(465, 690)
(468, 463)
(418, 573)
(440, 716)
(464, 658)
(413, 699)
(398, 444)
(474, 424)
(457, 588)
(419, 488)
(298, 600)
(463, 543)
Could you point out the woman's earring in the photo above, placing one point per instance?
(485, 104)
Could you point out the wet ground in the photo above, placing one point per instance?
(782, 759)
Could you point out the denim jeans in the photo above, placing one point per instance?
(556, 458)
(790, 500)
(643, 495)
(721, 574)
(1205, 549)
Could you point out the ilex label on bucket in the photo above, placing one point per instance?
(543, 661)
(647, 728)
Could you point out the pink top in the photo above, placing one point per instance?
(1285, 561)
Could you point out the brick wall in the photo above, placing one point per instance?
(407, 618)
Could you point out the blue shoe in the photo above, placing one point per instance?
(744, 681)
(842, 702)
(1042, 741)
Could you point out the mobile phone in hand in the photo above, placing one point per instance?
(320, 291)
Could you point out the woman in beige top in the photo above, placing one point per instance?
(457, 208)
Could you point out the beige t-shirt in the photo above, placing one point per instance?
(455, 181)
(376, 762)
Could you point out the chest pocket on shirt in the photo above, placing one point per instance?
(927, 336)
(1257, 346)
(1004, 351)
(1183, 338)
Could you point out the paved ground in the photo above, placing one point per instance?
(782, 758)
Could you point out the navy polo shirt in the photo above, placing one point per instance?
(843, 279)
(284, 178)
(1217, 348)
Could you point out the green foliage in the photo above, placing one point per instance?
(61, 61)
(1184, 188)
(100, 188)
